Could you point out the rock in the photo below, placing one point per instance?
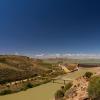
(78, 91)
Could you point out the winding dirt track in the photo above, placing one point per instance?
(43, 92)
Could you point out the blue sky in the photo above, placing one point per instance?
(49, 26)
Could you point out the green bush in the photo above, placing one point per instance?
(68, 86)
(37, 84)
(59, 94)
(29, 85)
(88, 74)
(5, 92)
(94, 88)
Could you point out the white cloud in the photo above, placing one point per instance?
(16, 53)
(39, 55)
(68, 55)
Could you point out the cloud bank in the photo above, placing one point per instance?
(69, 55)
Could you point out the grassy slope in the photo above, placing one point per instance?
(20, 67)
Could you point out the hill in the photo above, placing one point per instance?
(13, 68)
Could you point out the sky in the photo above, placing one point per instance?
(49, 26)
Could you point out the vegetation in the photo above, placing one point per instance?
(59, 94)
(5, 92)
(14, 68)
(29, 85)
(88, 74)
(94, 88)
(68, 86)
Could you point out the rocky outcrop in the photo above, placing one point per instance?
(78, 91)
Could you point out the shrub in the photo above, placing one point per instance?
(59, 94)
(88, 74)
(5, 92)
(37, 84)
(62, 87)
(29, 85)
(94, 88)
(68, 86)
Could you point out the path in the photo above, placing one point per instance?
(43, 92)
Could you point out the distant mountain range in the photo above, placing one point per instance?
(69, 55)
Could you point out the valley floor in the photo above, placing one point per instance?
(45, 91)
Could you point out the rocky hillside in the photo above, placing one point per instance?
(14, 68)
(78, 91)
